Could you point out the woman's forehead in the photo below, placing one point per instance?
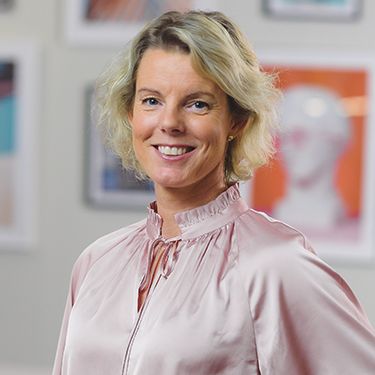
(166, 67)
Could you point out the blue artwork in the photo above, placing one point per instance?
(7, 143)
(7, 110)
(7, 124)
(115, 177)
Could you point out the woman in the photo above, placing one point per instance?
(204, 285)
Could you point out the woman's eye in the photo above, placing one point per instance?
(200, 105)
(151, 101)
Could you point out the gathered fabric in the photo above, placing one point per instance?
(236, 293)
(161, 256)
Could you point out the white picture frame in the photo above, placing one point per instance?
(332, 247)
(79, 30)
(342, 10)
(108, 185)
(18, 195)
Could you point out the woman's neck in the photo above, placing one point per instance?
(171, 201)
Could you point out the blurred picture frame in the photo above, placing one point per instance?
(340, 224)
(339, 10)
(6, 5)
(108, 185)
(19, 92)
(116, 22)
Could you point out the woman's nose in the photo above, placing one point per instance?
(171, 120)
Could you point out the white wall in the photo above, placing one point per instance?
(33, 287)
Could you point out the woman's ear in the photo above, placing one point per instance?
(130, 117)
(238, 125)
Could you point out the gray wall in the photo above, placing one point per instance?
(33, 287)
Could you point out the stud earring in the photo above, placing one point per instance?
(230, 138)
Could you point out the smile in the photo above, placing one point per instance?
(174, 151)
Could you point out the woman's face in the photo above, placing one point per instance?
(180, 122)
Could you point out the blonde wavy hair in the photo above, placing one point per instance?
(219, 51)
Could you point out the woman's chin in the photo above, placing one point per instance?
(169, 178)
(169, 184)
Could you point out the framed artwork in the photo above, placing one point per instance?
(322, 178)
(116, 22)
(108, 184)
(19, 80)
(6, 5)
(313, 9)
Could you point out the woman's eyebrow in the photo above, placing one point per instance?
(145, 89)
(201, 93)
(189, 96)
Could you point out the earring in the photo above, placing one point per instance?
(230, 138)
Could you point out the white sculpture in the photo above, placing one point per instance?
(315, 131)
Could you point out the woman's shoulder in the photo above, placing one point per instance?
(258, 232)
(108, 241)
(275, 255)
(104, 245)
(271, 248)
(291, 291)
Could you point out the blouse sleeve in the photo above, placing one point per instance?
(85, 261)
(78, 274)
(306, 318)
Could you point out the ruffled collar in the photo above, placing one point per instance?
(227, 207)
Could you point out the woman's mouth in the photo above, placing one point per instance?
(174, 151)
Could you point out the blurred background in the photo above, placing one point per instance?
(34, 283)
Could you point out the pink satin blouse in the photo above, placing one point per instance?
(237, 293)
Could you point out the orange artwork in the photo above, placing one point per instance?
(271, 183)
(132, 10)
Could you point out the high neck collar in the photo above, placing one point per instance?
(204, 219)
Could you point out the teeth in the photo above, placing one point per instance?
(166, 150)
